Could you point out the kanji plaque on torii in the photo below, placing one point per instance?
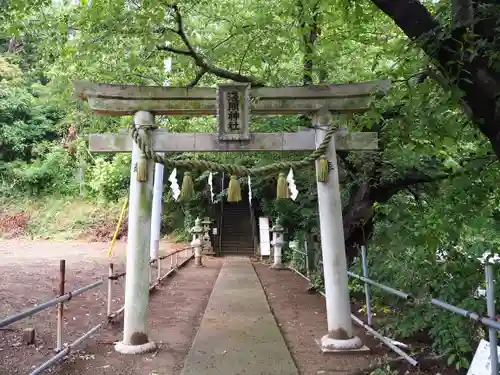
(233, 104)
(233, 115)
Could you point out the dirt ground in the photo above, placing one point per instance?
(302, 319)
(29, 274)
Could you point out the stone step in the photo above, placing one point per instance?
(237, 243)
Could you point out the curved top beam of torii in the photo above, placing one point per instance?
(123, 100)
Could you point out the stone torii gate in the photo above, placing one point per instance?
(233, 103)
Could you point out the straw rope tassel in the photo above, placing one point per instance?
(282, 187)
(187, 189)
(142, 168)
(323, 169)
(234, 190)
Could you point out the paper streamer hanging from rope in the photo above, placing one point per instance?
(249, 191)
(174, 185)
(211, 184)
(291, 185)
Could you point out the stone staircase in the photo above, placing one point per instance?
(237, 235)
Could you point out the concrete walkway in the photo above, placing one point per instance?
(238, 333)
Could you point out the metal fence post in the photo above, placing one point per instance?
(306, 250)
(311, 256)
(490, 301)
(60, 306)
(110, 290)
(158, 264)
(364, 262)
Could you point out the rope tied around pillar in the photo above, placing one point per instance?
(231, 169)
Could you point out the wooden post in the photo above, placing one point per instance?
(156, 212)
(135, 337)
(60, 306)
(340, 335)
(110, 291)
(310, 256)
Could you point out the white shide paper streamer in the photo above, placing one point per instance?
(174, 185)
(291, 185)
(211, 184)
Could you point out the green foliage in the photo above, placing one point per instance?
(52, 171)
(25, 119)
(109, 180)
(386, 371)
(405, 188)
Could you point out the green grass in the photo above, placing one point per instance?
(63, 218)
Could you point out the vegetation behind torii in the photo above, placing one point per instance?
(431, 187)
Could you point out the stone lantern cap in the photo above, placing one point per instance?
(278, 228)
(197, 227)
(206, 221)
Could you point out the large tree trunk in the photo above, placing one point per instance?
(478, 80)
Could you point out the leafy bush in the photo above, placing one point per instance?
(110, 180)
(25, 120)
(52, 171)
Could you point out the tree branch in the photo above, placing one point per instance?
(471, 72)
(199, 59)
(358, 214)
(177, 51)
(197, 79)
(440, 80)
(415, 177)
(244, 57)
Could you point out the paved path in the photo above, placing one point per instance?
(238, 333)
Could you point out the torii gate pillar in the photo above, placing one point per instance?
(135, 337)
(340, 335)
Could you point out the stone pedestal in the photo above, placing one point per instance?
(278, 242)
(197, 230)
(207, 247)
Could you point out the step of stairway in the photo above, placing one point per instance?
(237, 250)
(250, 248)
(240, 248)
(237, 238)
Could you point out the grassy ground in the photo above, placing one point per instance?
(59, 219)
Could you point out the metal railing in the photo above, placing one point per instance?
(178, 258)
(175, 263)
(221, 221)
(490, 321)
(253, 223)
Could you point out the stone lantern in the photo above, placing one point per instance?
(278, 241)
(197, 231)
(206, 242)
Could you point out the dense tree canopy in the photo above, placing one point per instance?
(431, 185)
